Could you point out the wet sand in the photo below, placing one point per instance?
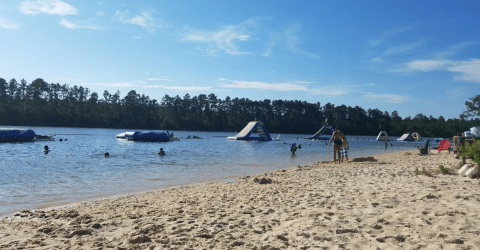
(380, 204)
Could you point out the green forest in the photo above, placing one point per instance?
(47, 104)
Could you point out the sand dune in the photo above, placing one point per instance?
(379, 204)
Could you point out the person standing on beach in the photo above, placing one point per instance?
(344, 152)
(339, 140)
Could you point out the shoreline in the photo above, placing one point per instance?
(64, 199)
(359, 205)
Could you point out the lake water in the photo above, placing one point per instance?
(77, 169)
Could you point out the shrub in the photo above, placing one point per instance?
(471, 150)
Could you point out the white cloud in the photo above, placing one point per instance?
(468, 70)
(397, 50)
(100, 13)
(428, 65)
(181, 88)
(340, 89)
(7, 25)
(386, 35)
(331, 90)
(80, 25)
(390, 98)
(460, 47)
(274, 40)
(261, 85)
(118, 84)
(292, 40)
(224, 39)
(115, 84)
(141, 20)
(51, 7)
(66, 79)
(464, 70)
(144, 20)
(304, 82)
(456, 93)
(158, 79)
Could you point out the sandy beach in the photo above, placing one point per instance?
(380, 204)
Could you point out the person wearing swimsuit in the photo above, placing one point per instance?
(339, 140)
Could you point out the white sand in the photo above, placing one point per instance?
(361, 205)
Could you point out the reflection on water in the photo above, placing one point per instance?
(77, 169)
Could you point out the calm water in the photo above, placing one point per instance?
(77, 169)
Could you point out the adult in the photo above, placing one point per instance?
(386, 143)
(339, 140)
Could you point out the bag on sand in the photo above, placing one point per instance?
(464, 170)
(472, 172)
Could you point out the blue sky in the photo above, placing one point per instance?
(410, 56)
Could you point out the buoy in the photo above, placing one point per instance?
(472, 172)
(464, 170)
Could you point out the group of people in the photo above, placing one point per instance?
(161, 152)
(340, 146)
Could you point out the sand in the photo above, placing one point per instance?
(380, 204)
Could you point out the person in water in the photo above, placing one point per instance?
(386, 143)
(339, 140)
(293, 148)
(45, 149)
(161, 152)
(107, 154)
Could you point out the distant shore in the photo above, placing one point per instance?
(359, 205)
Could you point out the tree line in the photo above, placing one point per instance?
(51, 104)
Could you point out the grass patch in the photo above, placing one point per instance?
(423, 172)
(443, 169)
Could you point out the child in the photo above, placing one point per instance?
(161, 152)
(344, 152)
(293, 148)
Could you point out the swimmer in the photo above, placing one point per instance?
(107, 154)
(45, 149)
(60, 139)
(66, 139)
(161, 152)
